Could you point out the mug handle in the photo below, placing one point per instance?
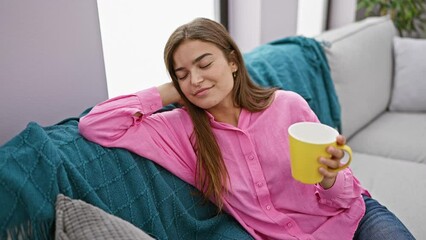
(348, 150)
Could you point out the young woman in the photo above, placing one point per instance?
(230, 141)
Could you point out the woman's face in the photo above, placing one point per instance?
(204, 74)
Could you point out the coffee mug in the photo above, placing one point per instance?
(308, 142)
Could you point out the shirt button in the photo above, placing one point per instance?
(251, 157)
(268, 207)
(152, 106)
(259, 184)
(289, 224)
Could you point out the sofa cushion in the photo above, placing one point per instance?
(395, 135)
(76, 219)
(398, 185)
(410, 75)
(360, 59)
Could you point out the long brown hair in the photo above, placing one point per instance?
(212, 176)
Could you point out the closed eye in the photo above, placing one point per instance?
(206, 66)
(183, 77)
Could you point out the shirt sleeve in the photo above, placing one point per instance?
(345, 190)
(161, 137)
(110, 120)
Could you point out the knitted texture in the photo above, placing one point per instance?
(298, 64)
(41, 162)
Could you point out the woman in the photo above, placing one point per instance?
(230, 141)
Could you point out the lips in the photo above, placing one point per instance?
(201, 91)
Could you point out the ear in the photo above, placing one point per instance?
(232, 62)
(234, 66)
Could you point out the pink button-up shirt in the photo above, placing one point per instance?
(263, 197)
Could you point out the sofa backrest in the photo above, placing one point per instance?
(360, 59)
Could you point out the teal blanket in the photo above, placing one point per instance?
(298, 64)
(41, 162)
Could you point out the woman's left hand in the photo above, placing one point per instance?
(332, 163)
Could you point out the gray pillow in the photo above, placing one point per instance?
(409, 91)
(76, 219)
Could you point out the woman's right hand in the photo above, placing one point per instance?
(169, 94)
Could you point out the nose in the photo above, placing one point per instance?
(196, 78)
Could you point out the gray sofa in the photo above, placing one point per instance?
(388, 141)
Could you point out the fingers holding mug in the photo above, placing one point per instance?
(330, 163)
(307, 142)
(335, 153)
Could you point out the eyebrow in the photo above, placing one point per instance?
(195, 60)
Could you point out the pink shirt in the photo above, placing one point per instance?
(263, 198)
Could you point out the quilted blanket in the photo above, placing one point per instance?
(41, 162)
(298, 64)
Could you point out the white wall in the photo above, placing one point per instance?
(311, 17)
(134, 33)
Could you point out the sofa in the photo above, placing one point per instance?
(380, 80)
(56, 184)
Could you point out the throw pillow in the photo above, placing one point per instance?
(409, 90)
(76, 219)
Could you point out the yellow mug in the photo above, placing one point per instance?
(308, 141)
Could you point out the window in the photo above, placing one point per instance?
(134, 33)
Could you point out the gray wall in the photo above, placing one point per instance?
(255, 22)
(279, 19)
(341, 13)
(51, 62)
